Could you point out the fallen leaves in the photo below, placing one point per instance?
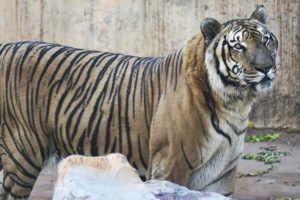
(261, 137)
(284, 198)
(268, 157)
(256, 173)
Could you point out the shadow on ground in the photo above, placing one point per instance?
(283, 181)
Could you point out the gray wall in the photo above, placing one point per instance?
(157, 27)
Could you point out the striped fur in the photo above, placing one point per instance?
(181, 117)
(57, 98)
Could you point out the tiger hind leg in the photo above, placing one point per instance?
(22, 163)
(18, 178)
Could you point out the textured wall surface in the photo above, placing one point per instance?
(158, 27)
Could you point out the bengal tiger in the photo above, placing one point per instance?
(182, 117)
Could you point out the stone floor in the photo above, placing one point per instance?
(284, 181)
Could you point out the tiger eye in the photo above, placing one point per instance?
(238, 46)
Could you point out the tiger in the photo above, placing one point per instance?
(180, 117)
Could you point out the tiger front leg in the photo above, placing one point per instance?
(169, 165)
(224, 184)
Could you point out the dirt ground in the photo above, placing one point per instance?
(283, 181)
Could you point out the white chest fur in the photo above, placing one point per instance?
(219, 154)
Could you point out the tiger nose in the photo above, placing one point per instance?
(264, 70)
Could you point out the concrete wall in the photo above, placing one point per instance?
(157, 27)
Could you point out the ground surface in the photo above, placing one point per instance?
(284, 181)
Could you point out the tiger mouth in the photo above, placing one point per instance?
(266, 82)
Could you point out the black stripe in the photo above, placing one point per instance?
(13, 120)
(143, 96)
(109, 121)
(95, 143)
(116, 70)
(151, 87)
(44, 50)
(87, 65)
(235, 129)
(7, 50)
(29, 48)
(181, 61)
(224, 80)
(143, 82)
(34, 131)
(20, 166)
(158, 78)
(74, 67)
(9, 66)
(119, 99)
(101, 73)
(80, 145)
(15, 77)
(28, 108)
(13, 106)
(223, 54)
(167, 65)
(57, 112)
(118, 90)
(42, 123)
(24, 122)
(173, 66)
(214, 118)
(136, 66)
(49, 101)
(231, 80)
(113, 148)
(70, 51)
(59, 132)
(127, 122)
(215, 123)
(141, 154)
(179, 56)
(26, 185)
(100, 100)
(8, 45)
(45, 68)
(79, 105)
(80, 89)
(96, 83)
(185, 157)
(79, 108)
(13, 194)
(8, 173)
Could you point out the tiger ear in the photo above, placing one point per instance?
(210, 28)
(260, 14)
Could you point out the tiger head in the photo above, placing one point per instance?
(240, 53)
